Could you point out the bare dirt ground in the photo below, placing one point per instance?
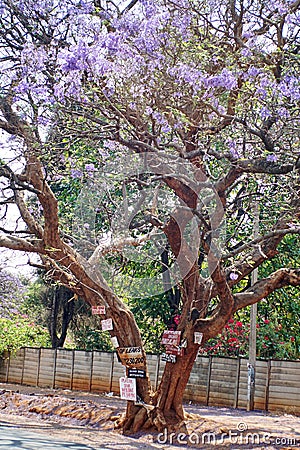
(89, 419)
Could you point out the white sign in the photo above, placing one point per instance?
(98, 309)
(114, 341)
(128, 388)
(198, 338)
(168, 358)
(107, 325)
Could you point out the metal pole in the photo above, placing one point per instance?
(252, 336)
(252, 359)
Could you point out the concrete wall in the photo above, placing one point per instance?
(213, 381)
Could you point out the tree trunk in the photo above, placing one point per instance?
(62, 297)
(165, 411)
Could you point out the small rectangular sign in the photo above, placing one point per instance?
(114, 341)
(171, 337)
(136, 373)
(131, 356)
(128, 388)
(168, 358)
(98, 310)
(198, 337)
(107, 325)
(172, 350)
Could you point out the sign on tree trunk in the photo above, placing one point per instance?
(107, 325)
(198, 337)
(128, 388)
(98, 310)
(168, 358)
(136, 373)
(171, 338)
(131, 356)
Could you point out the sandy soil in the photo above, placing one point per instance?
(53, 413)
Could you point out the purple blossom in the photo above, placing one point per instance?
(225, 79)
(128, 24)
(71, 64)
(76, 173)
(182, 23)
(165, 128)
(233, 276)
(23, 87)
(103, 153)
(290, 87)
(265, 113)
(248, 34)
(282, 9)
(253, 71)
(114, 42)
(90, 169)
(283, 113)
(111, 145)
(233, 149)
(43, 120)
(261, 93)
(272, 157)
(149, 8)
(86, 7)
(76, 58)
(265, 82)
(158, 117)
(246, 52)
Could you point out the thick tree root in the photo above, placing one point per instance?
(145, 417)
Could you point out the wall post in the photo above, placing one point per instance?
(267, 389)
(208, 380)
(237, 383)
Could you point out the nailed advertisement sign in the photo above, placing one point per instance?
(131, 356)
(107, 325)
(136, 373)
(171, 337)
(128, 388)
(98, 309)
(198, 337)
(168, 358)
(172, 350)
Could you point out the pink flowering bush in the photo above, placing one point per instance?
(232, 342)
(272, 341)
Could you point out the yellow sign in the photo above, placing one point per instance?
(131, 356)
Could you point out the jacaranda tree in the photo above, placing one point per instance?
(176, 119)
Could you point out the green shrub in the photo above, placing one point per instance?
(19, 332)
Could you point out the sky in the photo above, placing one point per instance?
(12, 261)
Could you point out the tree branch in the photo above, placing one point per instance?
(16, 243)
(261, 289)
(276, 233)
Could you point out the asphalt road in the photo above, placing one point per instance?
(12, 437)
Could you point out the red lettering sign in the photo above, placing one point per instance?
(171, 338)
